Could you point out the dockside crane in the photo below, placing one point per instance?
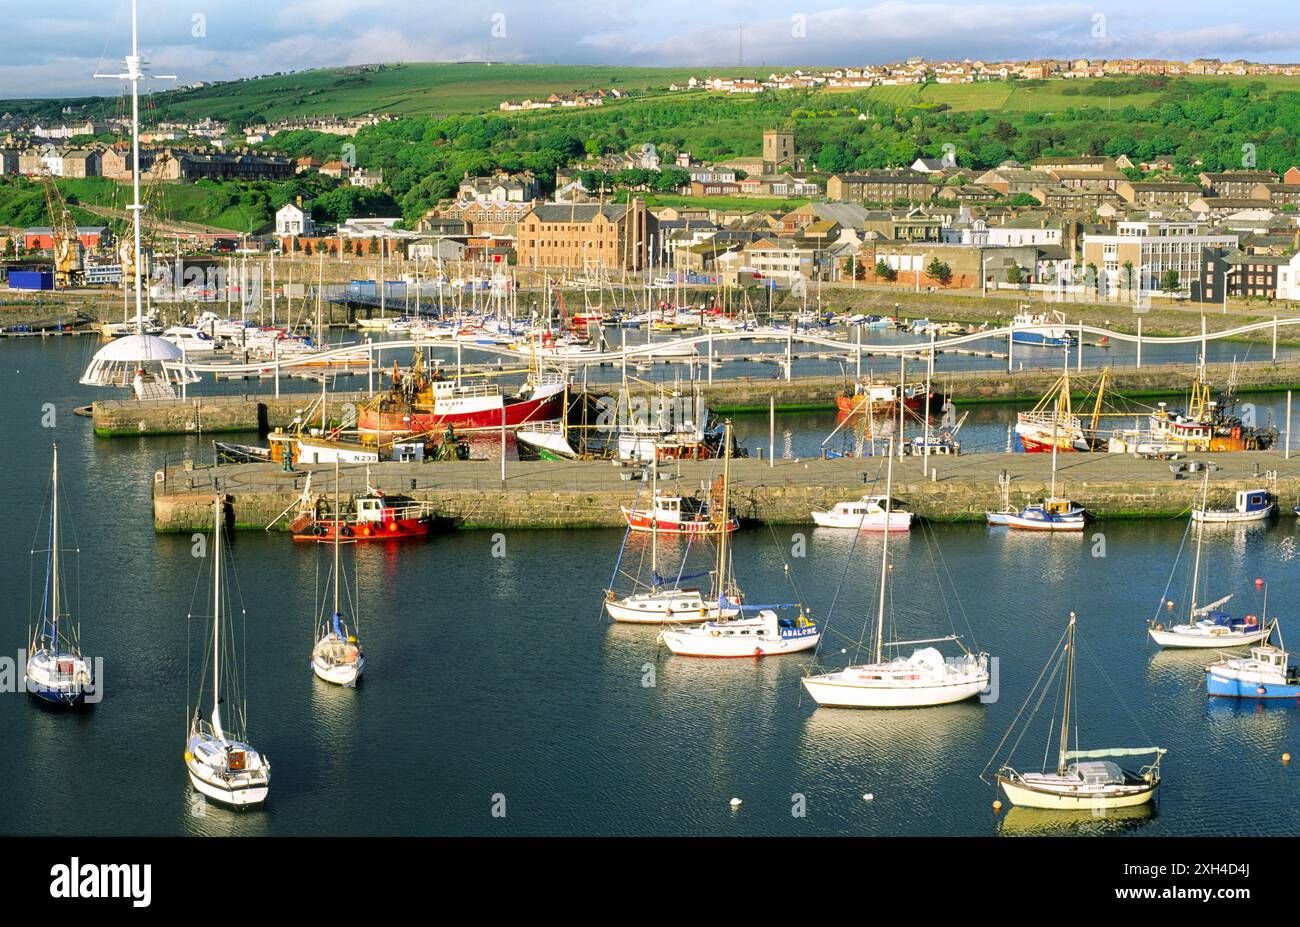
(69, 264)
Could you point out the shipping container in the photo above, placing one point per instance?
(31, 280)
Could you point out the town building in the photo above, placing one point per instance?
(609, 236)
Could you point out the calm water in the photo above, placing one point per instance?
(492, 675)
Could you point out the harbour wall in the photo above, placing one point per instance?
(588, 494)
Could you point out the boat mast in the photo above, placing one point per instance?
(1069, 690)
(1200, 532)
(338, 527)
(216, 620)
(726, 514)
(884, 555)
(54, 551)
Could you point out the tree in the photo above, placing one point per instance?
(1014, 275)
(306, 248)
(885, 272)
(938, 270)
(1169, 280)
(1128, 275)
(373, 248)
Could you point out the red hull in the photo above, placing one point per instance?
(643, 521)
(517, 413)
(397, 529)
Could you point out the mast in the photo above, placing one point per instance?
(1200, 532)
(726, 515)
(884, 555)
(216, 620)
(654, 518)
(1069, 690)
(337, 531)
(54, 550)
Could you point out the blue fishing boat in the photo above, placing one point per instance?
(1266, 673)
(1041, 330)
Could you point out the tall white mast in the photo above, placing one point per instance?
(216, 621)
(1200, 531)
(884, 553)
(135, 72)
(54, 548)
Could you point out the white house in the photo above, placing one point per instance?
(294, 219)
(1288, 278)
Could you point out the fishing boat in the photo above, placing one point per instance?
(674, 514)
(221, 764)
(1082, 779)
(545, 441)
(1053, 419)
(881, 398)
(661, 601)
(1054, 513)
(1251, 505)
(56, 670)
(925, 678)
(1209, 625)
(763, 633)
(1207, 425)
(416, 402)
(375, 516)
(1266, 673)
(865, 514)
(337, 656)
(1042, 330)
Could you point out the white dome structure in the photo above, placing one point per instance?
(118, 362)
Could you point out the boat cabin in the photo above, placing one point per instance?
(1253, 500)
(1096, 773)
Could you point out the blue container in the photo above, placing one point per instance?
(31, 280)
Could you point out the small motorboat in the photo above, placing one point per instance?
(1266, 673)
(865, 514)
(1252, 505)
(766, 634)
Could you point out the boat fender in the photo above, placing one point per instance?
(347, 532)
(703, 611)
(668, 612)
(317, 530)
(392, 526)
(188, 756)
(366, 532)
(758, 651)
(1261, 691)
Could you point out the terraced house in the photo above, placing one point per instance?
(880, 187)
(576, 236)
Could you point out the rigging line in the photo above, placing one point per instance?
(840, 586)
(1111, 685)
(1025, 704)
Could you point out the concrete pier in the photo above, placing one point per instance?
(260, 412)
(545, 494)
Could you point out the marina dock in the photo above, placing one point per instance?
(588, 494)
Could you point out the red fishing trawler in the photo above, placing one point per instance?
(375, 516)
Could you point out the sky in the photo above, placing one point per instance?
(54, 47)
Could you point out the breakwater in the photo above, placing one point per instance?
(581, 494)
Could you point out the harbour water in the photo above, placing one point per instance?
(498, 676)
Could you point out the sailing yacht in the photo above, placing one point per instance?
(663, 603)
(925, 678)
(56, 670)
(221, 765)
(1088, 779)
(337, 656)
(763, 634)
(1208, 625)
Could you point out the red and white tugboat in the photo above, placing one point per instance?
(375, 516)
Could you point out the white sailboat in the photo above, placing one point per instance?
(663, 603)
(221, 765)
(763, 634)
(1208, 625)
(56, 670)
(925, 678)
(1082, 779)
(337, 656)
(865, 514)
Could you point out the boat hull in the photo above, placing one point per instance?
(1168, 638)
(898, 521)
(339, 675)
(699, 643)
(398, 529)
(1027, 796)
(544, 408)
(641, 520)
(830, 694)
(1230, 687)
(1224, 517)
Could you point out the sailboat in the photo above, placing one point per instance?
(1088, 779)
(221, 765)
(925, 678)
(765, 633)
(663, 603)
(1208, 625)
(1054, 513)
(56, 670)
(337, 656)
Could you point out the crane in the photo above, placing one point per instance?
(68, 265)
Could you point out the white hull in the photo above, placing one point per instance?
(760, 636)
(1020, 523)
(846, 695)
(1167, 637)
(1077, 798)
(1225, 517)
(338, 674)
(239, 789)
(896, 521)
(647, 608)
